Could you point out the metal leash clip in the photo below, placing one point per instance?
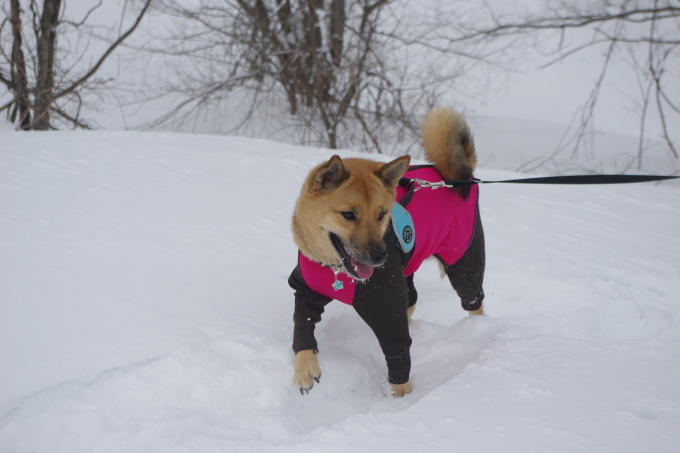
(428, 184)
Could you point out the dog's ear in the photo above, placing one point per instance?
(391, 172)
(329, 175)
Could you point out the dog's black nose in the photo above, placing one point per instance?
(378, 255)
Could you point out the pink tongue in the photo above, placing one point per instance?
(362, 270)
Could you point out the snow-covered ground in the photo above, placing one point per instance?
(144, 307)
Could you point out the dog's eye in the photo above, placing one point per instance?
(382, 215)
(349, 215)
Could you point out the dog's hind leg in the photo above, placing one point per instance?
(410, 311)
(467, 274)
(412, 296)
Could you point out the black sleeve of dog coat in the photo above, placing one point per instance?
(309, 307)
(467, 274)
(382, 305)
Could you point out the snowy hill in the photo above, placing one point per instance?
(144, 307)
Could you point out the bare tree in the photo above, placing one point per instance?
(643, 33)
(40, 85)
(344, 80)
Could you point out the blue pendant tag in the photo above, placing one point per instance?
(337, 284)
(402, 223)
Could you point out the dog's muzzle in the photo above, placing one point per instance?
(357, 269)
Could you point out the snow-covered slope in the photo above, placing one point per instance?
(144, 308)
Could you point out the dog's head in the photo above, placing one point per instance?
(344, 211)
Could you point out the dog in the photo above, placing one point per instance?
(359, 245)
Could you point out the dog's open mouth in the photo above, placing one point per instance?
(355, 269)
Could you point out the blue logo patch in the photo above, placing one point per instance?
(403, 227)
(407, 234)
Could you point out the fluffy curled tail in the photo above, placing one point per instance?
(449, 145)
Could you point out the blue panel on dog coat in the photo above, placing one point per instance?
(402, 223)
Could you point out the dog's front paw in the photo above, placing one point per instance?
(399, 390)
(306, 370)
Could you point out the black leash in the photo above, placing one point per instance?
(574, 179)
(415, 184)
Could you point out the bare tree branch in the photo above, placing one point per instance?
(628, 29)
(105, 55)
(84, 19)
(577, 21)
(323, 59)
(38, 72)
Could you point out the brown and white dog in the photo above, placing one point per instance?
(345, 233)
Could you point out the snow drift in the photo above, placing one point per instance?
(144, 307)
